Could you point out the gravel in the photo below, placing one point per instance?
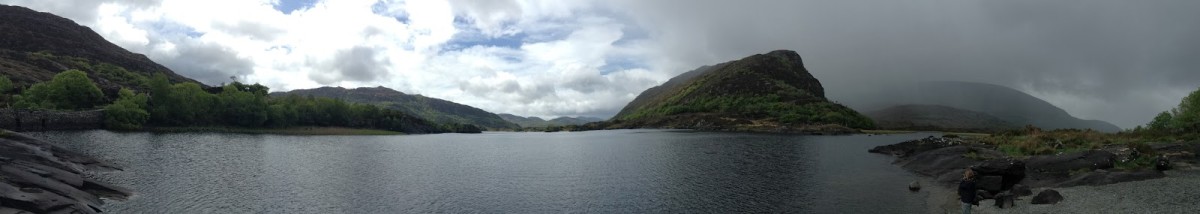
(1179, 192)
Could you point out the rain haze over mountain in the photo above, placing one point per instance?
(1118, 61)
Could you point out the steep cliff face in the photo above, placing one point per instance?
(772, 89)
(35, 45)
(432, 109)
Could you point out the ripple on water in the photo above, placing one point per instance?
(600, 171)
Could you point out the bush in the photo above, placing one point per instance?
(127, 113)
(69, 90)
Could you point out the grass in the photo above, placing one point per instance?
(279, 131)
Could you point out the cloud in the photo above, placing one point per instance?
(1118, 61)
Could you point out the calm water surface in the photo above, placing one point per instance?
(619, 171)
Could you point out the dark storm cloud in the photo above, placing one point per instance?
(360, 64)
(1119, 61)
(211, 64)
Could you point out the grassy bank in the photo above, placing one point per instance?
(306, 130)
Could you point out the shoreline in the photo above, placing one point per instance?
(297, 131)
(1170, 194)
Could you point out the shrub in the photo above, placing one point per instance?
(128, 112)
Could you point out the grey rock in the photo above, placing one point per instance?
(990, 183)
(914, 186)
(1004, 200)
(983, 194)
(1021, 190)
(1048, 196)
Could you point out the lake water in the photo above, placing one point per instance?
(621, 171)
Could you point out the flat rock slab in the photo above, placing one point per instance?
(39, 177)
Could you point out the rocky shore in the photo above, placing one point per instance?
(44, 120)
(39, 177)
(1020, 180)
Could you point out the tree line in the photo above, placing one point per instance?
(190, 104)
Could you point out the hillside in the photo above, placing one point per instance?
(34, 46)
(764, 92)
(432, 109)
(1005, 103)
(526, 122)
(937, 118)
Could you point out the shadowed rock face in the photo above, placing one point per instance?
(24, 32)
(38, 177)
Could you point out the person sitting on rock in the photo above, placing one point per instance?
(966, 191)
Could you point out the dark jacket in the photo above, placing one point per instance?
(966, 191)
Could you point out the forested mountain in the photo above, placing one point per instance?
(526, 122)
(770, 91)
(432, 109)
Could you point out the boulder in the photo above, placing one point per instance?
(1091, 159)
(1004, 200)
(1011, 171)
(1049, 170)
(914, 186)
(946, 163)
(983, 194)
(906, 148)
(1103, 177)
(1162, 163)
(990, 183)
(1021, 190)
(1048, 196)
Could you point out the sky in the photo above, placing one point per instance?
(1118, 61)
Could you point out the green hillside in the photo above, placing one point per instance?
(432, 109)
(763, 91)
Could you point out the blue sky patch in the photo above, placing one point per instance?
(287, 6)
(614, 64)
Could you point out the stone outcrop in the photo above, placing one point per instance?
(945, 159)
(39, 177)
(44, 120)
(1047, 196)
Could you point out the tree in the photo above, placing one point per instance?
(67, 90)
(1162, 122)
(1187, 115)
(5, 84)
(242, 107)
(128, 112)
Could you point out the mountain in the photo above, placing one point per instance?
(527, 122)
(764, 92)
(937, 118)
(432, 109)
(34, 46)
(1008, 104)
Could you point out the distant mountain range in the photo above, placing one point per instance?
(935, 117)
(1012, 106)
(770, 92)
(432, 109)
(34, 46)
(527, 122)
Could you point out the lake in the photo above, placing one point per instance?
(618, 171)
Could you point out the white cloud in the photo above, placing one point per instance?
(550, 66)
